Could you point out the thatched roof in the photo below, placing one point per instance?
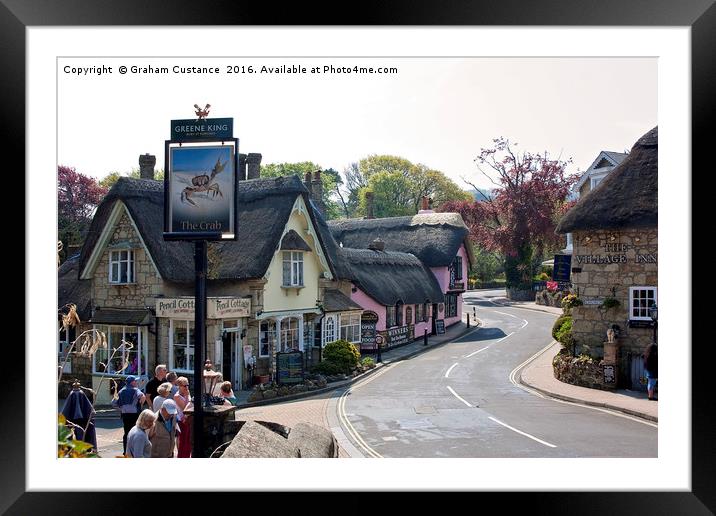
(72, 290)
(433, 237)
(626, 198)
(336, 301)
(264, 208)
(389, 277)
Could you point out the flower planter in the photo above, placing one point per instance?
(261, 378)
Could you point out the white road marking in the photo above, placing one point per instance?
(476, 352)
(522, 433)
(447, 374)
(509, 315)
(458, 397)
(516, 383)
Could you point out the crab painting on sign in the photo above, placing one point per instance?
(201, 183)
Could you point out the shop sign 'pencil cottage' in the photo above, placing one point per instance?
(615, 260)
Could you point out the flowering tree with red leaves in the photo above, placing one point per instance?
(519, 219)
(78, 196)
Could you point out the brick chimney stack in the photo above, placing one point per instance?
(307, 184)
(317, 192)
(146, 166)
(427, 205)
(253, 165)
(241, 175)
(369, 205)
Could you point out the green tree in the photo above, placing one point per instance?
(395, 179)
(110, 179)
(330, 179)
(487, 264)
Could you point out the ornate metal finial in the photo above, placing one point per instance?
(202, 113)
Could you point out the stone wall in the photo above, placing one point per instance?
(611, 262)
(579, 371)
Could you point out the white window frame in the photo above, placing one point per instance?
(329, 330)
(295, 273)
(130, 262)
(390, 316)
(290, 331)
(141, 349)
(270, 330)
(632, 290)
(187, 324)
(350, 327)
(419, 313)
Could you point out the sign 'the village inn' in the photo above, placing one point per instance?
(618, 257)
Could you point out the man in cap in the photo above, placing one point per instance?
(164, 434)
(129, 401)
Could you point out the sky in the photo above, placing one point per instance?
(436, 111)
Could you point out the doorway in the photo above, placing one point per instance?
(231, 354)
(434, 330)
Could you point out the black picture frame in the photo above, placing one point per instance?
(699, 15)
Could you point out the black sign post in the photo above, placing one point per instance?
(562, 265)
(200, 204)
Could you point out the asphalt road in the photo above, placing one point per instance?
(459, 400)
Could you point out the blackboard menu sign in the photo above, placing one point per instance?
(440, 326)
(289, 367)
(368, 322)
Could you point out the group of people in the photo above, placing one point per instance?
(156, 431)
(161, 428)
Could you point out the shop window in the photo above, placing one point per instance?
(181, 345)
(289, 334)
(640, 300)
(129, 357)
(267, 338)
(399, 313)
(292, 269)
(350, 327)
(426, 311)
(408, 315)
(121, 267)
(419, 313)
(389, 316)
(450, 305)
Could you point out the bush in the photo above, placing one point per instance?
(610, 302)
(367, 362)
(570, 301)
(344, 355)
(558, 324)
(564, 334)
(326, 368)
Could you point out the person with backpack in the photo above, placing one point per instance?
(129, 401)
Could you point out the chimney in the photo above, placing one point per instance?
(317, 192)
(377, 245)
(307, 184)
(242, 167)
(253, 165)
(146, 166)
(427, 205)
(369, 205)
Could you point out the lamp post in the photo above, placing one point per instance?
(378, 344)
(653, 313)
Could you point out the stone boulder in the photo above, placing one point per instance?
(257, 441)
(313, 441)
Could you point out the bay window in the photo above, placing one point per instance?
(125, 353)
(289, 334)
(350, 327)
(181, 345)
(267, 338)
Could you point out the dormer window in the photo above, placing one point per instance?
(121, 266)
(292, 269)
